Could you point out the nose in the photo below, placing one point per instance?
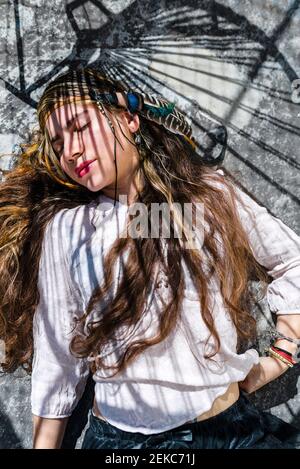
(73, 147)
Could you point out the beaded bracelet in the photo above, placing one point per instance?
(279, 336)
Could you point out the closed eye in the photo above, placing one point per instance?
(58, 151)
(82, 128)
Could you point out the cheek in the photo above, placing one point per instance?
(100, 140)
(62, 164)
(65, 168)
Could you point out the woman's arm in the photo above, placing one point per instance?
(58, 377)
(270, 368)
(48, 433)
(276, 247)
(289, 325)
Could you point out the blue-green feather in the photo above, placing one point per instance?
(160, 111)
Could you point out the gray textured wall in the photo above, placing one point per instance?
(232, 60)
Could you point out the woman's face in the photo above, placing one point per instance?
(84, 144)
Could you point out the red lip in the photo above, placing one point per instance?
(82, 165)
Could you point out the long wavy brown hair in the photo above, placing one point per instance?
(37, 188)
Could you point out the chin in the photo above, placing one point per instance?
(94, 187)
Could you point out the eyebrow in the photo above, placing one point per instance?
(69, 122)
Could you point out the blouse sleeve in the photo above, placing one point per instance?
(277, 248)
(58, 378)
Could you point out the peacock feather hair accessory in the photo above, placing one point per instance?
(151, 107)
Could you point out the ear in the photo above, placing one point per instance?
(133, 121)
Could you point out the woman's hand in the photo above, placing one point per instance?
(267, 370)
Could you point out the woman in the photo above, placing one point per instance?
(156, 308)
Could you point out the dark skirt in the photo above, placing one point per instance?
(240, 426)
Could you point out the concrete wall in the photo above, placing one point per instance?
(233, 61)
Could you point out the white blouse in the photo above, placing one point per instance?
(169, 383)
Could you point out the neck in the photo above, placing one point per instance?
(129, 188)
